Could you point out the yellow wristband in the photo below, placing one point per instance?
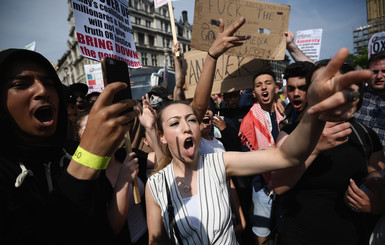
(90, 160)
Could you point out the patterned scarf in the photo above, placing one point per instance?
(255, 132)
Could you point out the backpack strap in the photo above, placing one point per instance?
(171, 218)
(354, 129)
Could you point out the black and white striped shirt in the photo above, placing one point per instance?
(215, 212)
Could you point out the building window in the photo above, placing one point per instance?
(136, 4)
(154, 60)
(166, 27)
(146, 8)
(140, 38)
(168, 43)
(144, 59)
(180, 31)
(148, 23)
(165, 12)
(171, 61)
(151, 40)
(137, 20)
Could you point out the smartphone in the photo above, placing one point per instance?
(117, 71)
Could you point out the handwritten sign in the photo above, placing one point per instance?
(265, 23)
(232, 72)
(376, 43)
(309, 42)
(103, 29)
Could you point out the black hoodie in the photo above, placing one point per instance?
(47, 205)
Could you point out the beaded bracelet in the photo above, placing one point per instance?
(90, 160)
(215, 58)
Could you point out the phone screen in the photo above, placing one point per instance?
(116, 71)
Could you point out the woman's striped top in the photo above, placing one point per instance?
(215, 211)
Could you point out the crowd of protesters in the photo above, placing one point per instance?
(243, 167)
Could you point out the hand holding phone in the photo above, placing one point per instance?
(117, 71)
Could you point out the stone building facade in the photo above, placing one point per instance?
(152, 35)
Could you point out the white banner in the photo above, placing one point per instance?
(376, 43)
(159, 3)
(94, 77)
(309, 42)
(103, 28)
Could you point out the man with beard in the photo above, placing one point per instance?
(259, 129)
(372, 111)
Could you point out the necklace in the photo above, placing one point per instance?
(186, 188)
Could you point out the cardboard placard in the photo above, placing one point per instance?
(232, 72)
(266, 23)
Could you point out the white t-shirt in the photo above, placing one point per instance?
(210, 146)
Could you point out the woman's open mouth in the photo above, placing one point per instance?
(189, 147)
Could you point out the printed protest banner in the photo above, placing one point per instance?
(266, 23)
(94, 77)
(159, 3)
(103, 28)
(232, 72)
(376, 43)
(309, 42)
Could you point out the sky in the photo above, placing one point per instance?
(45, 22)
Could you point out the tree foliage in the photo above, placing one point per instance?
(360, 59)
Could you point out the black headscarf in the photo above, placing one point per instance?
(13, 147)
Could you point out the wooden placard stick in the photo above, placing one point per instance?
(174, 38)
(135, 187)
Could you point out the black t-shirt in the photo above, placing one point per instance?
(315, 211)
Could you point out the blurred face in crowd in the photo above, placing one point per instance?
(378, 78)
(232, 99)
(206, 124)
(296, 90)
(32, 101)
(81, 101)
(92, 100)
(265, 90)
